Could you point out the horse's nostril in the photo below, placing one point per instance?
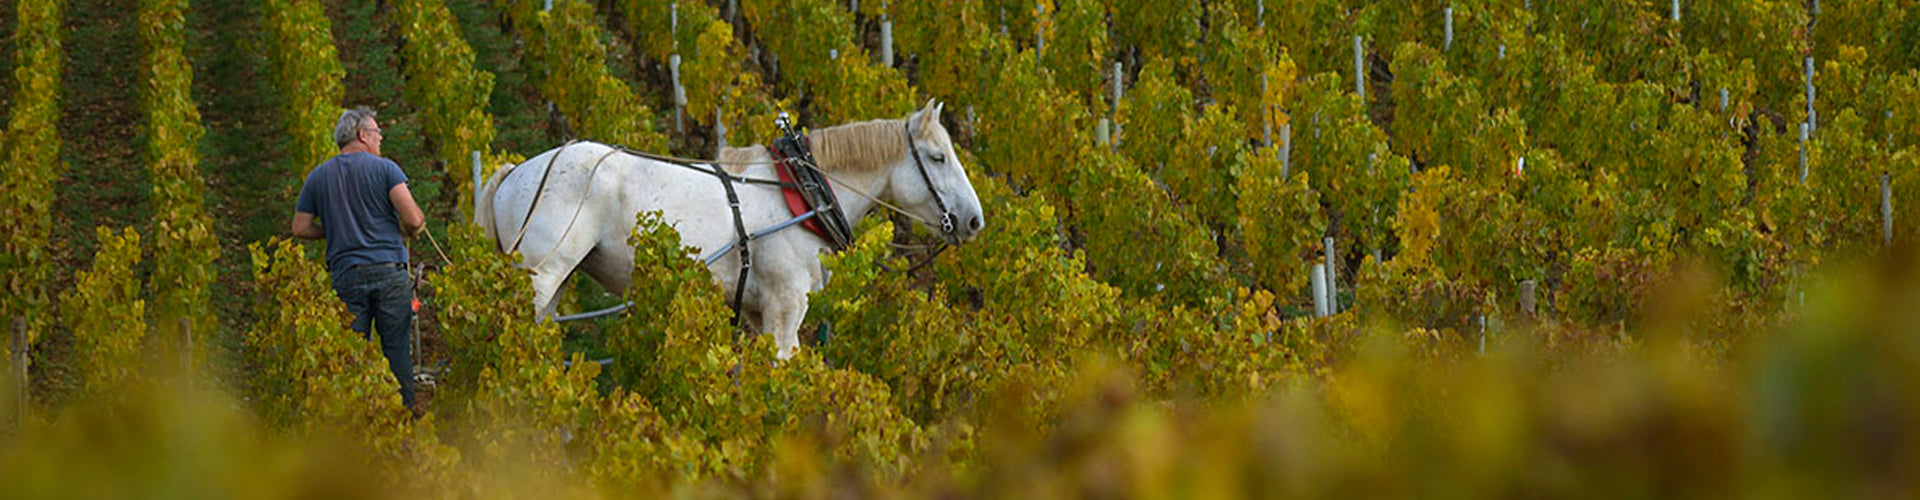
(974, 223)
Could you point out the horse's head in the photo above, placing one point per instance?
(938, 179)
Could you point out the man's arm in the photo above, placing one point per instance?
(303, 227)
(411, 220)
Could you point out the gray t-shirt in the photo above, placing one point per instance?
(348, 193)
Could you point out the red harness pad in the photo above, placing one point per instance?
(796, 203)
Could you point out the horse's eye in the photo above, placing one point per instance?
(939, 158)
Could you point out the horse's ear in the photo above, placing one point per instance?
(925, 119)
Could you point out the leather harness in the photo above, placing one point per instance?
(804, 187)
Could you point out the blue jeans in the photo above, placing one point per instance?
(380, 296)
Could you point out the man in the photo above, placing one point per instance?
(359, 203)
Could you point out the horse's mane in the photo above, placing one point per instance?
(853, 147)
(736, 160)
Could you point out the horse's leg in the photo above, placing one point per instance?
(784, 276)
(605, 265)
(550, 273)
(782, 309)
(750, 318)
(546, 293)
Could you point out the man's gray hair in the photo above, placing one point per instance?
(351, 122)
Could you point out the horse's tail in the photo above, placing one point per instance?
(483, 211)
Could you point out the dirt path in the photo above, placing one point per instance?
(243, 145)
(6, 59)
(106, 181)
(519, 113)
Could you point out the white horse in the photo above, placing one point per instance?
(594, 193)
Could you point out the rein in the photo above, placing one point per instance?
(536, 196)
(684, 162)
(591, 173)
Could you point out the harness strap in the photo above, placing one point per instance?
(695, 164)
(746, 249)
(536, 196)
(699, 166)
(946, 216)
(930, 256)
(716, 254)
(591, 173)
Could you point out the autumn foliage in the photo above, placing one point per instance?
(1580, 250)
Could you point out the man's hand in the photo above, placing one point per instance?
(305, 227)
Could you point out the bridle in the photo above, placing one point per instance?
(947, 220)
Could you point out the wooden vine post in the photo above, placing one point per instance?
(20, 363)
